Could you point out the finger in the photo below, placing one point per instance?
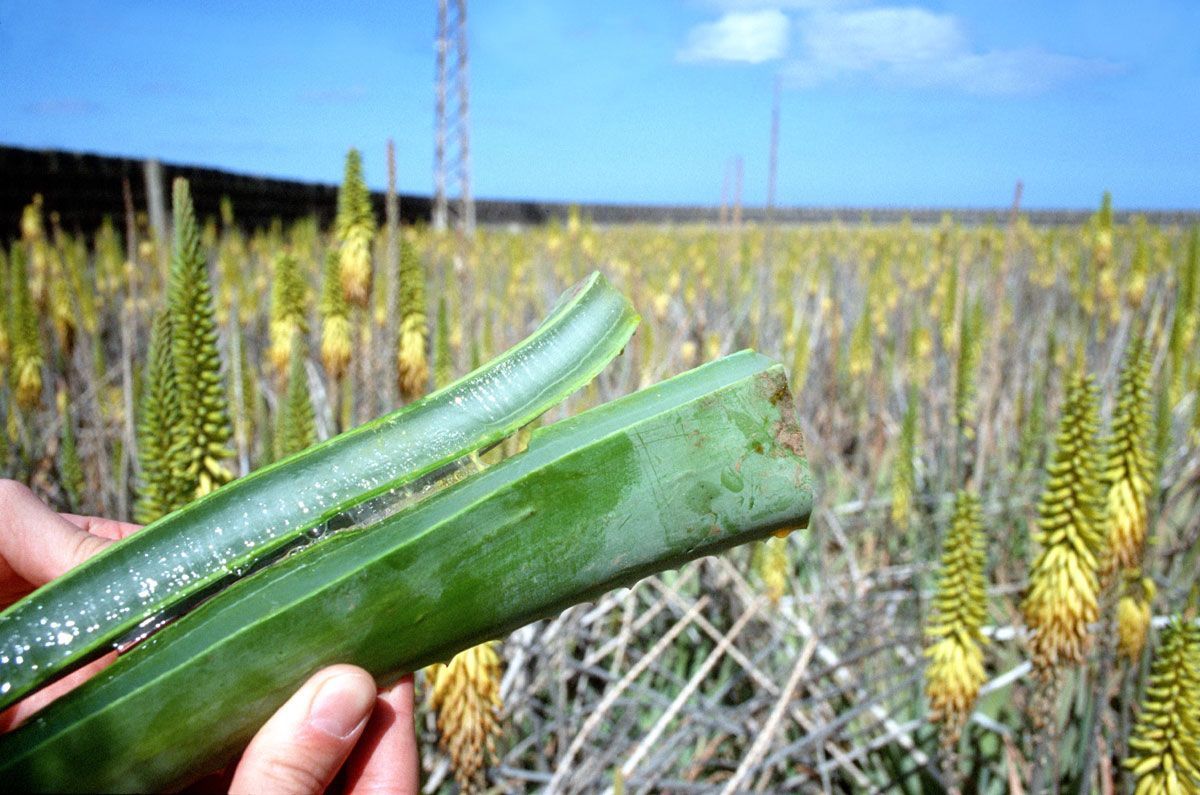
(35, 542)
(105, 528)
(17, 714)
(299, 750)
(384, 761)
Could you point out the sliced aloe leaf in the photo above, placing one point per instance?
(687, 468)
(134, 586)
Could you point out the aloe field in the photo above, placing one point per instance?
(995, 592)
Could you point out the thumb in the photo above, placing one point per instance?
(35, 542)
(300, 749)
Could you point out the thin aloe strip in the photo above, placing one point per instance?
(188, 554)
(687, 468)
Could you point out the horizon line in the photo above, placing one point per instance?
(756, 208)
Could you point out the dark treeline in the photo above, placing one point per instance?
(84, 188)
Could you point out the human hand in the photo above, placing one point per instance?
(335, 721)
(37, 544)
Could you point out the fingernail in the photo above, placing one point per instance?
(342, 704)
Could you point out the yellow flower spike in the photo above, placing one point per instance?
(412, 363)
(336, 342)
(28, 377)
(355, 228)
(289, 296)
(970, 348)
(1133, 615)
(159, 490)
(955, 671)
(31, 221)
(659, 305)
(904, 471)
(861, 350)
(203, 404)
(774, 566)
(1063, 596)
(5, 342)
(1139, 266)
(1129, 468)
(1165, 744)
(465, 694)
(687, 352)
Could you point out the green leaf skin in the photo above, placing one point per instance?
(202, 546)
(687, 468)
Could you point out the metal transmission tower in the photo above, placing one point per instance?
(453, 204)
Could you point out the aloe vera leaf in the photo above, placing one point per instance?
(687, 468)
(201, 548)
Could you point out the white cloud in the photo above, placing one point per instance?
(751, 37)
(861, 40)
(913, 47)
(1025, 71)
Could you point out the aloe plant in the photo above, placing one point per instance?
(689, 467)
(26, 341)
(297, 428)
(355, 228)
(204, 428)
(159, 491)
(336, 346)
(412, 366)
(138, 584)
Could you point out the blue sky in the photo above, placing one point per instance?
(918, 104)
